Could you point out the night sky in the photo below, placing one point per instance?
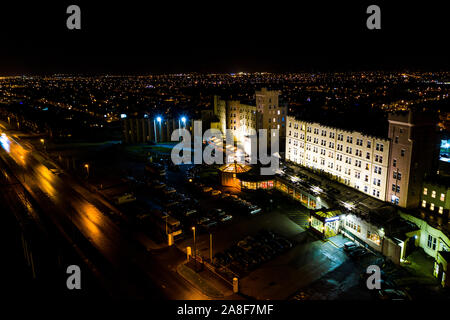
(222, 36)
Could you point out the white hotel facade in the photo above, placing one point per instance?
(356, 159)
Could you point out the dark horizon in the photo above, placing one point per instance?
(137, 39)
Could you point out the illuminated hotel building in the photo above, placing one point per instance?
(243, 118)
(413, 156)
(353, 158)
(390, 169)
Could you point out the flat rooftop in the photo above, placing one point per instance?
(340, 196)
(372, 123)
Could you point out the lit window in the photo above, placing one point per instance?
(431, 242)
(425, 191)
(432, 207)
(441, 210)
(374, 237)
(433, 194)
(424, 203)
(442, 197)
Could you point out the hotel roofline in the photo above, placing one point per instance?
(345, 130)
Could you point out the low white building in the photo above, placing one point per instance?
(435, 243)
(383, 232)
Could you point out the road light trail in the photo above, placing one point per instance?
(61, 200)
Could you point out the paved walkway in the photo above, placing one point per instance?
(421, 264)
(338, 240)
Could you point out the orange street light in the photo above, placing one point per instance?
(195, 249)
(87, 169)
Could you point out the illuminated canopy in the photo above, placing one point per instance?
(235, 168)
(327, 216)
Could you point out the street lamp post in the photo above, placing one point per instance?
(195, 250)
(159, 119)
(86, 165)
(44, 145)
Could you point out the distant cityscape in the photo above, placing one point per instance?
(364, 180)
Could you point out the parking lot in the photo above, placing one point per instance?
(308, 261)
(281, 276)
(315, 269)
(295, 254)
(193, 195)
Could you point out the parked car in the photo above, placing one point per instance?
(209, 225)
(203, 220)
(171, 204)
(244, 245)
(169, 190)
(254, 210)
(156, 184)
(261, 238)
(207, 189)
(219, 258)
(358, 253)
(216, 192)
(225, 195)
(231, 254)
(218, 212)
(348, 246)
(262, 255)
(268, 251)
(350, 249)
(384, 283)
(286, 243)
(227, 217)
(254, 257)
(268, 234)
(190, 212)
(275, 246)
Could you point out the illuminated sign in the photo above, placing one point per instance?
(331, 219)
(444, 151)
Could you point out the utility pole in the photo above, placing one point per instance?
(210, 248)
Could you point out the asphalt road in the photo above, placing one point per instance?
(128, 269)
